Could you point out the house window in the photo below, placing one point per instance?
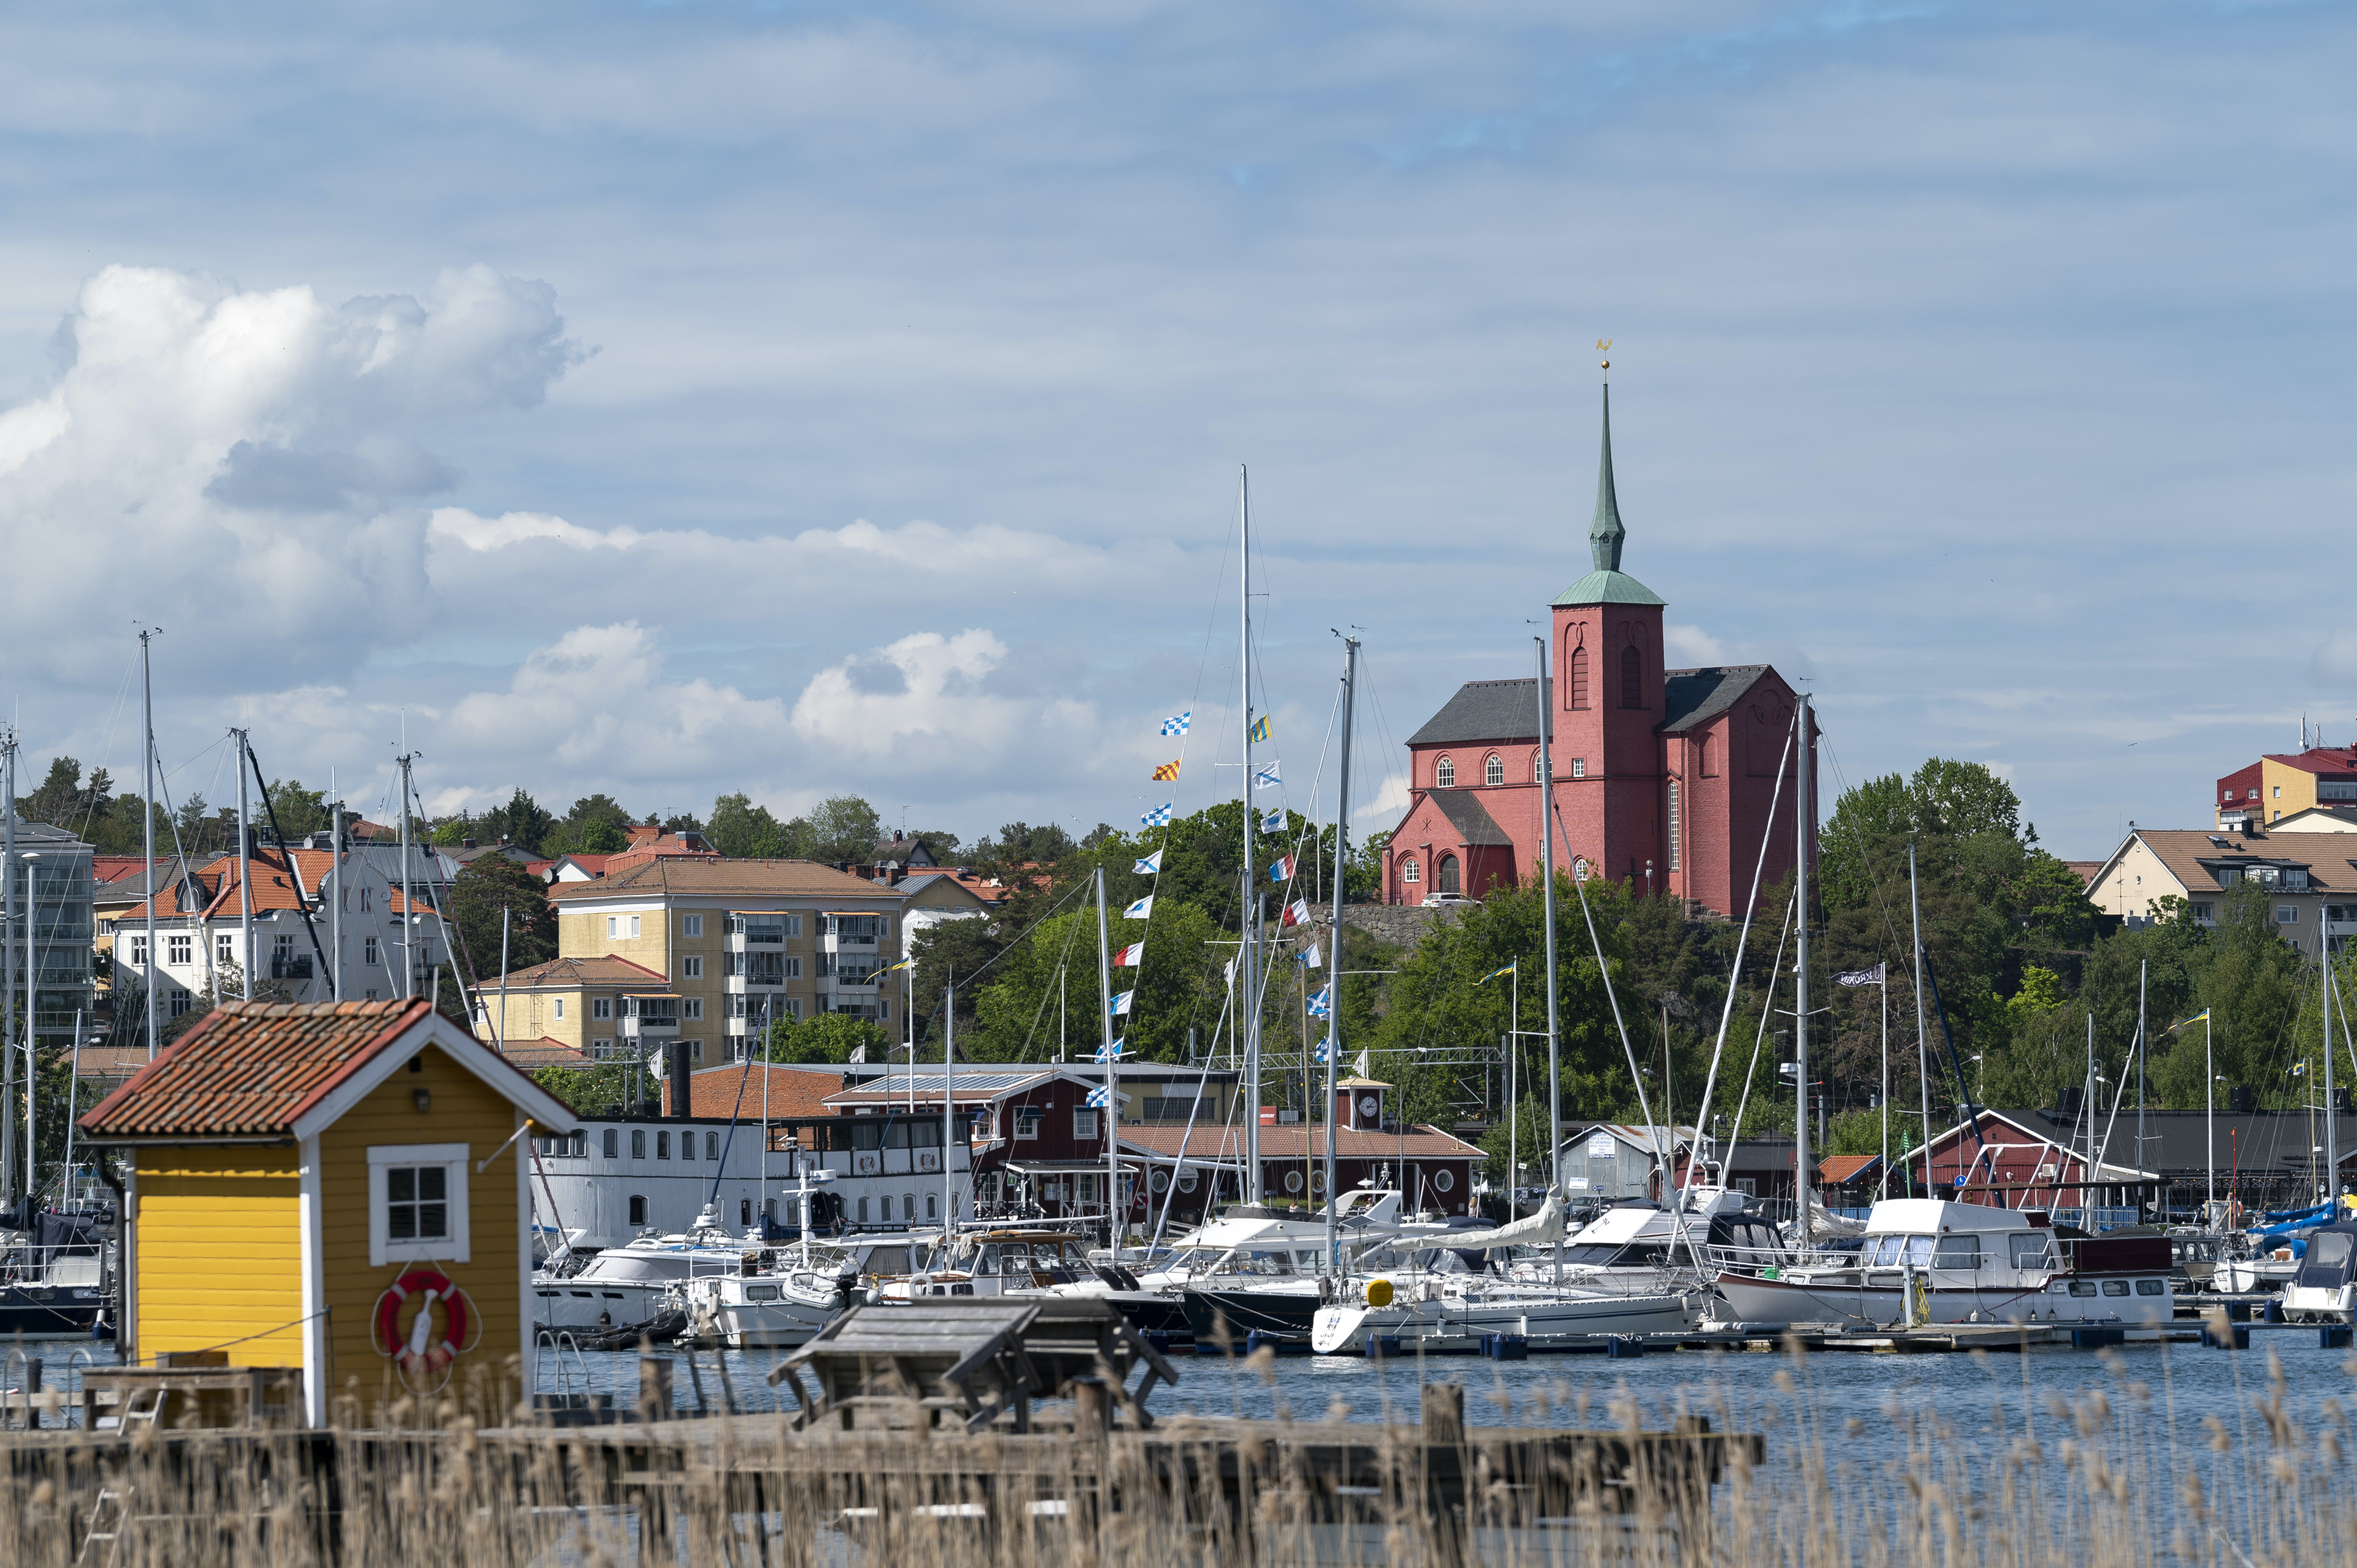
(695, 1051)
(1411, 872)
(794, 1004)
(1493, 771)
(691, 968)
(1633, 679)
(613, 1144)
(560, 1009)
(601, 1007)
(638, 1208)
(1579, 677)
(662, 1145)
(691, 925)
(793, 925)
(1444, 775)
(1026, 1121)
(1673, 824)
(1084, 1125)
(2253, 794)
(182, 1001)
(2278, 791)
(178, 949)
(368, 950)
(224, 948)
(139, 952)
(418, 1203)
(2286, 914)
(1579, 768)
(283, 947)
(368, 898)
(638, 1142)
(2205, 914)
(793, 970)
(690, 1007)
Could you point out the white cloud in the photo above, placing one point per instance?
(1691, 646)
(593, 706)
(2336, 657)
(927, 700)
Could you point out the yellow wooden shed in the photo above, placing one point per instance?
(336, 1186)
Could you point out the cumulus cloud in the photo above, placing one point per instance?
(239, 462)
(594, 705)
(1691, 646)
(927, 701)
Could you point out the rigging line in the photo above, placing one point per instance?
(1062, 958)
(165, 772)
(1735, 975)
(1604, 968)
(106, 749)
(1859, 838)
(1767, 1010)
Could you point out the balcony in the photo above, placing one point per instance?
(753, 932)
(757, 976)
(649, 1019)
(290, 966)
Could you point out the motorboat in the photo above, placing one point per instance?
(2195, 1255)
(1252, 1271)
(1438, 1313)
(1925, 1260)
(55, 1277)
(1632, 1246)
(2321, 1291)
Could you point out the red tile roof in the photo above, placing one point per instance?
(545, 1051)
(269, 873)
(250, 1068)
(566, 972)
(1840, 1169)
(794, 1091)
(709, 877)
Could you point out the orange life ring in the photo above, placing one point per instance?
(409, 1354)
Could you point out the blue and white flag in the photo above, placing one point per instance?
(1139, 911)
(1319, 1008)
(1120, 1009)
(1158, 818)
(1096, 1100)
(1111, 1053)
(1309, 957)
(1177, 723)
(1275, 821)
(1266, 778)
(1150, 866)
(1325, 1052)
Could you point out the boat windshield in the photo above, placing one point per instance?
(1258, 1262)
(636, 1268)
(1890, 1252)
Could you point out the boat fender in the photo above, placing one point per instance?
(1379, 1293)
(871, 1295)
(421, 1352)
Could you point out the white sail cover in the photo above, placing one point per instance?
(1546, 1225)
(1828, 1223)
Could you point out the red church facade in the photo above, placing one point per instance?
(1664, 777)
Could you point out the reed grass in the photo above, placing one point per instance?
(2102, 1478)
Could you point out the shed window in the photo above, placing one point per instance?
(418, 1203)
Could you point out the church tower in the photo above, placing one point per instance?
(1607, 679)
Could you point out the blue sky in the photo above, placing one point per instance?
(803, 399)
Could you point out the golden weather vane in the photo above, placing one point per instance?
(1604, 345)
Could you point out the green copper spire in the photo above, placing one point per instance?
(1605, 534)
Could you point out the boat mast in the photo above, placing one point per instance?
(336, 910)
(244, 873)
(408, 963)
(1801, 823)
(2209, 1097)
(1546, 885)
(2141, 967)
(1247, 962)
(148, 803)
(1334, 935)
(1922, 1047)
(1112, 1068)
(2331, 1151)
(949, 1102)
(9, 956)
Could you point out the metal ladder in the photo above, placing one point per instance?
(108, 1516)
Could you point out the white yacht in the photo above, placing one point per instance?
(1436, 1312)
(1923, 1260)
(1252, 1271)
(2322, 1291)
(1635, 1246)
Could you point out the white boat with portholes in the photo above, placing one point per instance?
(1925, 1260)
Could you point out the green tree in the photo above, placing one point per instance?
(300, 812)
(825, 1037)
(521, 822)
(743, 830)
(846, 828)
(482, 889)
(595, 825)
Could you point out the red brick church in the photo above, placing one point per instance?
(1662, 777)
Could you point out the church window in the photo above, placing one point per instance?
(1493, 772)
(1444, 776)
(1449, 874)
(1538, 768)
(1579, 768)
(1411, 872)
(1633, 679)
(1579, 677)
(1673, 824)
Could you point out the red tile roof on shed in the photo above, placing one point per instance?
(251, 1069)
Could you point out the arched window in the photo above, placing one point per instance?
(1449, 874)
(1493, 771)
(1444, 776)
(1538, 773)
(1579, 677)
(1633, 679)
(1411, 872)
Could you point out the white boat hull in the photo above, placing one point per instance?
(1874, 1298)
(2312, 1304)
(578, 1305)
(1456, 1324)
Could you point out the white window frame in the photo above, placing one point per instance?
(1028, 1120)
(1493, 770)
(179, 950)
(368, 951)
(139, 952)
(691, 925)
(454, 1248)
(1579, 768)
(560, 1009)
(793, 925)
(1411, 872)
(1084, 1125)
(691, 1008)
(613, 926)
(2286, 914)
(224, 948)
(691, 968)
(1444, 774)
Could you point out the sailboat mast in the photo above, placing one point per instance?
(2331, 1148)
(1247, 961)
(336, 910)
(1923, 1046)
(147, 818)
(949, 1104)
(244, 875)
(1334, 939)
(1104, 1022)
(1800, 824)
(408, 916)
(8, 864)
(1546, 885)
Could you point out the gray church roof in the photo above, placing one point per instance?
(1499, 711)
(1474, 825)
(1691, 697)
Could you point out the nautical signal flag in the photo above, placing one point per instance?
(1274, 822)
(1320, 1006)
(1860, 976)
(1130, 957)
(1141, 909)
(1297, 913)
(1167, 771)
(1158, 818)
(1097, 1101)
(1266, 778)
(1326, 1049)
(1150, 866)
(1111, 1053)
(1281, 869)
(1309, 959)
(1177, 723)
(1120, 1007)
(1259, 732)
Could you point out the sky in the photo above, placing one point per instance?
(809, 398)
